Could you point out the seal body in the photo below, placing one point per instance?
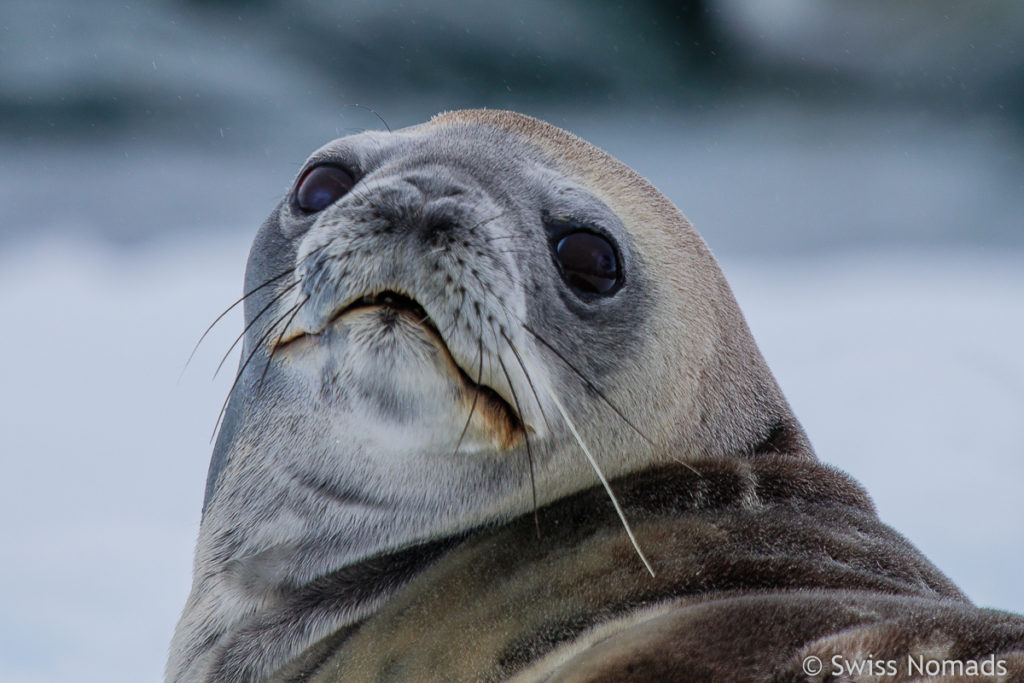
(454, 332)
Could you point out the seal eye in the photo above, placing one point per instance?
(321, 186)
(588, 262)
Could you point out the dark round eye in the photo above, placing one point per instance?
(588, 262)
(321, 186)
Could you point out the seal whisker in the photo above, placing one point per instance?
(476, 396)
(590, 385)
(372, 111)
(245, 296)
(606, 401)
(484, 221)
(600, 394)
(529, 381)
(277, 297)
(526, 437)
(241, 370)
(512, 251)
(597, 469)
(228, 310)
(280, 336)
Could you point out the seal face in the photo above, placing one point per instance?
(440, 323)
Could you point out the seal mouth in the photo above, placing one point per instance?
(389, 299)
(492, 405)
(398, 303)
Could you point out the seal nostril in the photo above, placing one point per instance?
(440, 225)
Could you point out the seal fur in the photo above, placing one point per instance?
(354, 482)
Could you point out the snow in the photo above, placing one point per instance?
(905, 368)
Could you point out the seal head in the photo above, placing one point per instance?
(439, 322)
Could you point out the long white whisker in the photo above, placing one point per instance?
(540, 377)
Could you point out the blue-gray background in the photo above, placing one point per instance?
(857, 166)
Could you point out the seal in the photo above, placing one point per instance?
(498, 414)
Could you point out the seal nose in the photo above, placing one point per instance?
(427, 204)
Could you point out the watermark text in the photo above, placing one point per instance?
(918, 665)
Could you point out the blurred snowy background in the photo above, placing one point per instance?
(857, 166)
